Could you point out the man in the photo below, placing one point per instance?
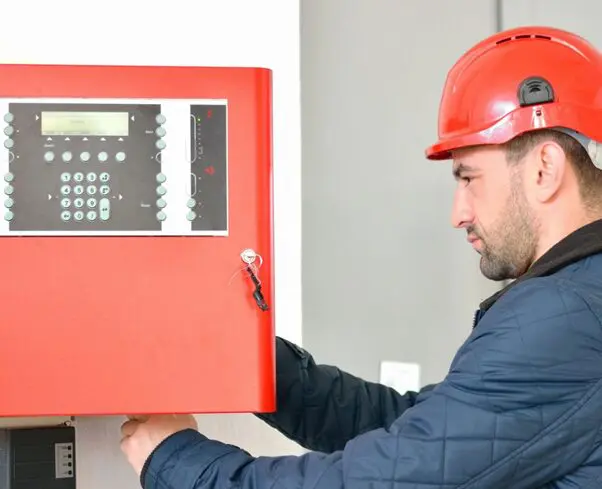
(521, 406)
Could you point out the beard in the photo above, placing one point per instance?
(509, 245)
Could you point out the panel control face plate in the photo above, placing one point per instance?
(114, 167)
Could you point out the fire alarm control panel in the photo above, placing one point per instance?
(136, 240)
(114, 166)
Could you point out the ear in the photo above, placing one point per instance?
(548, 168)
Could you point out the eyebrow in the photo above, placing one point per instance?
(462, 168)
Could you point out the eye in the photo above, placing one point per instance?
(466, 180)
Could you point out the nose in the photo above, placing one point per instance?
(462, 214)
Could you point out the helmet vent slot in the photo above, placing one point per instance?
(524, 36)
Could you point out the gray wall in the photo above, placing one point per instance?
(580, 16)
(385, 276)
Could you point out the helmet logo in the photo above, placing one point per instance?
(535, 91)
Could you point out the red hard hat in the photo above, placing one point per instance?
(516, 81)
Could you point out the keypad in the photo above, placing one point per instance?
(85, 196)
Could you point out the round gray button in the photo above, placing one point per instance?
(78, 190)
(191, 216)
(65, 203)
(9, 130)
(91, 202)
(65, 177)
(78, 215)
(9, 215)
(161, 204)
(9, 177)
(65, 215)
(84, 156)
(67, 156)
(8, 203)
(160, 144)
(9, 189)
(91, 215)
(91, 190)
(49, 156)
(103, 156)
(79, 203)
(160, 119)
(161, 190)
(78, 177)
(160, 132)
(161, 178)
(65, 190)
(190, 203)
(161, 216)
(105, 177)
(8, 118)
(105, 189)
(120, 157)
(9, 143)
(91, 177)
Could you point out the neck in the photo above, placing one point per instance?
(563, 223)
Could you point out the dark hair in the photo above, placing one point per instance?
(588, 176)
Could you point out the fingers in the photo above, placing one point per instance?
(129, 428)
(123, 443)
(133, 420)
(139, 417)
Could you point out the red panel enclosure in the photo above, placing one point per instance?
(151, 316)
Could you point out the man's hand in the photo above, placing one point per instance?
(142, 434)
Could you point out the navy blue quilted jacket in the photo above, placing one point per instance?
(521, 406)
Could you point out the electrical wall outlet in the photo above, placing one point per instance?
(402, 377)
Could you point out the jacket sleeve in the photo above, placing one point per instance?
(519, 408)
(322, 408)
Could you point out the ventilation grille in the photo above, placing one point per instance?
(524, 36)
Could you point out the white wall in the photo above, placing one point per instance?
(204, 32)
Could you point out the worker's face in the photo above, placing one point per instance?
(490, 203)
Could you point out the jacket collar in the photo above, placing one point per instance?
(580, 244)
